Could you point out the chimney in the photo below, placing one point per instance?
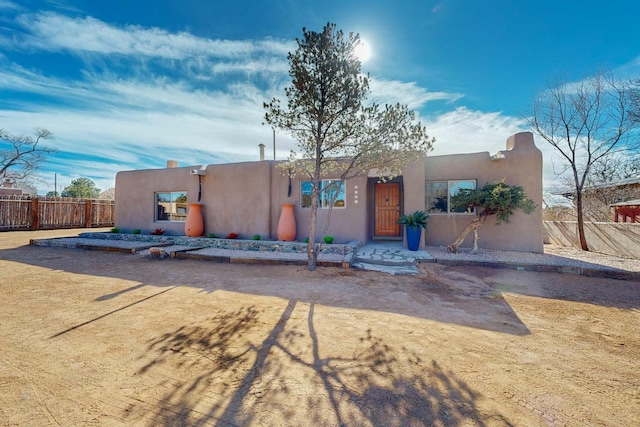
(261, 151)
(172, 163)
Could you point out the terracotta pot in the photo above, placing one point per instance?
(287, 223)
(194, 226)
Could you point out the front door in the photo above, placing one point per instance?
(387, 209)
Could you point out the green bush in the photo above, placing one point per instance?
(115, 230)
(136, 231)
(306, 240)
(256, 237)
(328, 240)
(212, 235)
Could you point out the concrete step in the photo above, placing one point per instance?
(386, 268)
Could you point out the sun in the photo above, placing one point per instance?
(362, 51)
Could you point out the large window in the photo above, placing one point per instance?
(329, 190)
(171, 206)
(438, 196)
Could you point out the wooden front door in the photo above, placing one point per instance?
(387, 209)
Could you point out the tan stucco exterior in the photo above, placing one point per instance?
(245, 198)
(519, 164)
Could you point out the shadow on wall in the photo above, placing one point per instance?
(285, 378)
(618, 239)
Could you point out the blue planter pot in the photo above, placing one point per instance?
(413, 238)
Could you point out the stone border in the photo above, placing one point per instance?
(231, 244)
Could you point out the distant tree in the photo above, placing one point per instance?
(497, 199)
(605, 185)
(635, 100)
(22, 154)
(336, 133)
(81, 188)
(108, 194)
(585, 122)
(52, 194)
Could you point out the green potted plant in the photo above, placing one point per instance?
(414, 223)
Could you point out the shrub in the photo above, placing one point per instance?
(158, 232)
(136, 231)
(115, 230)
(416, 219)
(212, 235)
(328, 240)
(306, 240)
(232, 236)
(256, 237)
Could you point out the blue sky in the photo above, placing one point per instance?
(130, 84)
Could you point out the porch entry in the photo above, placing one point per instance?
(387, 209)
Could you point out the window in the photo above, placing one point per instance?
(438, 196)
(329, 190)
(171, 206)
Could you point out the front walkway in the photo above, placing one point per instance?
(389, 257)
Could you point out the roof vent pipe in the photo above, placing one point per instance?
(172, 163)
(261, 151)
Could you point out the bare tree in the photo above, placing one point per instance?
(609, 182)
(20, 155)
(634, 87)
(585, 122)
(336, 133)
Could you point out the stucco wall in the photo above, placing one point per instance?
(519, 164)
(245, 198)
(413, 179)
(614, 238)
(135, 201)
(346, 224)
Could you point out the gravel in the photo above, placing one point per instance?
(553, 255)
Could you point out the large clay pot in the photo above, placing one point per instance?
(413, 238)
(194, 226)
(287, 223)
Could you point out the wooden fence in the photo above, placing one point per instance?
(40, 213)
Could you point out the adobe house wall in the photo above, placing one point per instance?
(135, 201)
(346, 224)
(413, 178)
(519, 164)
(242, 198)
(245, 198)
(235, 198)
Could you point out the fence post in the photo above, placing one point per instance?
(35, 213)
(88, 215)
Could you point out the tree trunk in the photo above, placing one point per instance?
(475, 241)
(581, 235)
(473, 226)
(312, 255)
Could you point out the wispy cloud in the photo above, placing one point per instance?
(50, 31)
(146, 95)
(391, 91)
(9, 5)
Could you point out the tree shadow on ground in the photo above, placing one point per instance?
(469, 290)
(412, 296)
(281, 381)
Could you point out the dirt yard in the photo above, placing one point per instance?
(108, 339)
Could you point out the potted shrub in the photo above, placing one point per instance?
(414, 223)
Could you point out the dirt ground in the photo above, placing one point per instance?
(102, 338)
